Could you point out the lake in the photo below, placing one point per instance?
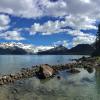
(81, 86)
(13, 63)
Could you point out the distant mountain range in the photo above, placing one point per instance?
(12, 50)
(55, 51)
(81, 49)
(20, 48)
(23, 49)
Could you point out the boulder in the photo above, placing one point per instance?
(45, 71)
(90, 70)
(1, 81)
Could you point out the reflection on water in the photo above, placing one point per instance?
(81, 86)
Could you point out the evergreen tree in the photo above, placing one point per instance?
(98, 38)
(97, 43)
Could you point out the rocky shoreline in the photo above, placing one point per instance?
(46, 71)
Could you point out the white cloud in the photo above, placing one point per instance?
(84, 23)
(32, 8)
(4, 22)
(64, 43)
(77, 33)
(43, 48)
(24, 8)
(80, 22)
(47, 28)
(78, 14)
(83, 38)
(86, 1)
(52, 27)
(11, 35)
(78, 38)
(57, 8)
(37, 8)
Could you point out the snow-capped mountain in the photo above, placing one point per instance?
(29, 48)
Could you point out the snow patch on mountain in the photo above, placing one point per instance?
(28, 47)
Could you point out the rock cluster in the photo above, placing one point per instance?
(42, 72)
(24, 73)
(46, 71)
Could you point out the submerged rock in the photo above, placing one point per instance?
(58, 77)
(73, 71)
(90, 70)
(45, 71)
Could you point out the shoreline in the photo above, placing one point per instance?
(46, 71)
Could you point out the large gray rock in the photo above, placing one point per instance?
(45, 71)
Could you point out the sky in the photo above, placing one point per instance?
(49, 22)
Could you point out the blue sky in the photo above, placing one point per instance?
(49, 22)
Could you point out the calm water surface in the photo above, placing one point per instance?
(81, 86)
(12, 63)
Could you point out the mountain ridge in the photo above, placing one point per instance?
(23, 49)
(81, 49)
